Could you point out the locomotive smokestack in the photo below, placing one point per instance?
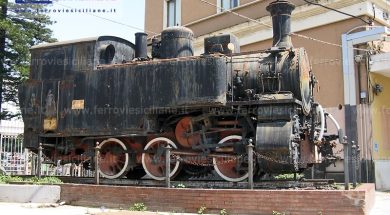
(141, 49)
(281, 22)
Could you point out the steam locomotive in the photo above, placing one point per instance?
(207, 108)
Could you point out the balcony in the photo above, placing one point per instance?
(380, 64)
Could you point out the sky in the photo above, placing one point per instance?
(70, 26)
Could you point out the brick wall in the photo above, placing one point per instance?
(300, 202)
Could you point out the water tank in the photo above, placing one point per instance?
(176, 42)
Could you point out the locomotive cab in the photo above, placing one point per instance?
(54, 68)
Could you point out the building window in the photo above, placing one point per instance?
(227, 4)
(172, 13)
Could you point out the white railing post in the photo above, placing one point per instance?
(26, 172)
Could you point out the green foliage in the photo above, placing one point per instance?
(179, 186)
(287, 176)
(202, 209)
(45, 180)
(223, 212)
(138, 207)
(18, 32)
(341, 186)
(2, 171)
(278, 213)
(338, 186)
(6, 179)
(3, 179)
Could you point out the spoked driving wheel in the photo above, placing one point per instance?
(230, 169)
(184, 135)
(114, 160)
(153, 160)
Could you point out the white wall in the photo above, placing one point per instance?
(382, 175)
(11, 127)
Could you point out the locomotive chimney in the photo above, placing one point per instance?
(141, 49)
(281, 22)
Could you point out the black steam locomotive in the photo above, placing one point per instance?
(208, 108)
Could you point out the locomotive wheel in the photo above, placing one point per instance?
(226, 168)
(155, 167)
(183, 133)
(113, 161)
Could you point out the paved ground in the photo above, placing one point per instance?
(45, 209)
(51, 209)
(381, 207)
(382, 204)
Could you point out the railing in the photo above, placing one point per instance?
(16, 160)
(48, 168)
(13, 156)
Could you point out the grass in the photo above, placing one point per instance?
(7, 179)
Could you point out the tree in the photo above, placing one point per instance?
(21, 27)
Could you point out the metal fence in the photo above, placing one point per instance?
(13, 156)
(15, 160)
(49, 168)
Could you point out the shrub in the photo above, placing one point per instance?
(287, 176)
(5, 179)
(202, 209)
(223, 212)
(179, 186)
(138, 207)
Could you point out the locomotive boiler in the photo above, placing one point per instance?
(208, 108)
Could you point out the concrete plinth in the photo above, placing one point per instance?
(29, 193)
